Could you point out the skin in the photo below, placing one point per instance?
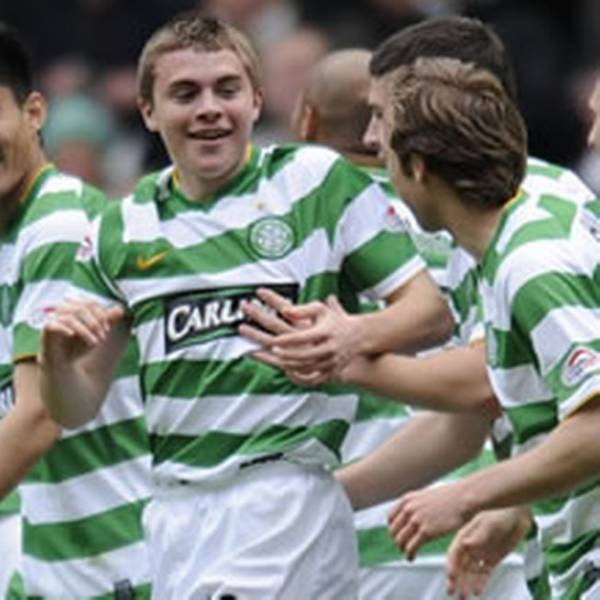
(568, 456)
(21, 159)
(204, 108)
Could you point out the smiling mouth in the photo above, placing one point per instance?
(210, 135)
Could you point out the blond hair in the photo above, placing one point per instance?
(193, 30)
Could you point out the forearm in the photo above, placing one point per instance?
(450, 380)
(70, 392)
(24, 437)
(429, 446)
(567, 458)
(417, 317)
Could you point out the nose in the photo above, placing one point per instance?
(371, 136)
(208, 105)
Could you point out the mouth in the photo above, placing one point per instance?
(210, 135)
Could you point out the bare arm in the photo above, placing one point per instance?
(81, 348)
(416, 317)
(568, 457)
(451, 380)
(329, 338)
(27, 431)
(429, 446)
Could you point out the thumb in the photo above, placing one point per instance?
(114, 314)
(335, 305)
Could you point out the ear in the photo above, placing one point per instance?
(257, 104)
(146, 108)
(309, 123)
(36, 110)
(418, 168)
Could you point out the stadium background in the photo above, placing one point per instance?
(86, 50)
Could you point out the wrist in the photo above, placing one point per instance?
(360, 338)
(470, 499)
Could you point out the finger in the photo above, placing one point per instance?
(414, 542)
(303, 337)
(307, 379)
(403, 533)
(266, 319)
(89, 315)
(311, 311)
(397, 515)
(266, 358)
(303, 353)
(308, 366)
(257, 335)
(114, 314)
(81, 330)
(273, 299)
(335, 305)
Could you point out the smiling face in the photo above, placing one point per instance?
(204, 107)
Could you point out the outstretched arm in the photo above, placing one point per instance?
(416, 317)
(568, 457)
(427, 447)
(81, 347)
(450, 380)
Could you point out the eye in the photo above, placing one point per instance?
(183, 94)
(228, 90)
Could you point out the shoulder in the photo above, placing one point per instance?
(543, 177)
(307, 159)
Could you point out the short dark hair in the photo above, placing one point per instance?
(15, 63)
(462, 123)
(461, 38)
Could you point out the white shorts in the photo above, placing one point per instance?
(10, 549)
(405, 581)
(278, 531)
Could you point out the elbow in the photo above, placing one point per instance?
(440, 325)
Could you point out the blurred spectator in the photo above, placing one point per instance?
(265, 21)
(80, 137)
(286, 65)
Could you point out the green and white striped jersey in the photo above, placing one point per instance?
(82, 501)
(377, 420)
(541, 302)
(298, 219)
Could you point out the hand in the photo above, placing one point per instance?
(74, 328)
(480, 546)
(314, 341)
(425, 515)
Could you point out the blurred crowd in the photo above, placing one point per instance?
(86, 50)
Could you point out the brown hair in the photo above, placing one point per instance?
(191, 29)
(459, 119)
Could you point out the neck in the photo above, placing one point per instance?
(363, 159)
(200, 189)
(474, 228)
(17, 195)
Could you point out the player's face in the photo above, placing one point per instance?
(204, 108)
(409, 184)
(594, 135)
(19, 145)
(375, 134)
